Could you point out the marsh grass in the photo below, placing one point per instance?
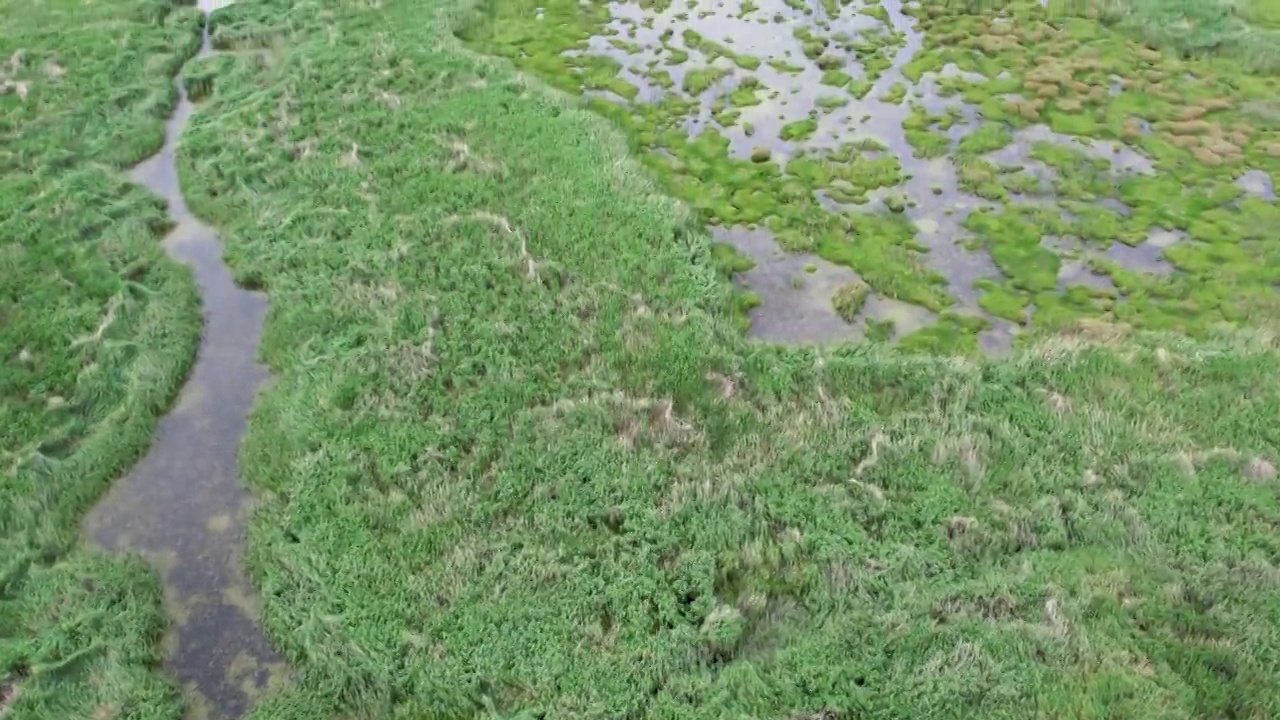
(1246, 30)
(518, 461)
(97, 330)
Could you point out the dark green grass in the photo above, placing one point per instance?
(97, 330)
(517, 462)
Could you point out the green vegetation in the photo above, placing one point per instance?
(783, 66)
(896, 94)
(837, 78)
(713, 50)
(987, 138)
(729, 262)
(719, 187)
(928, 144)
(699, 81)
(97, 330)
(746, 94)
(1040, 66)
(798, 130)
(519, 461)
(831, 103)
(1206, 124)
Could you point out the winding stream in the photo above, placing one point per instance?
(183, 507)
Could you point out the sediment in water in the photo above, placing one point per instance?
(183, 507)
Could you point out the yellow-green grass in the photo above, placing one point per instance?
(97, 331)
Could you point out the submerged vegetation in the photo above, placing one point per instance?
(519, 460)
(97, 330)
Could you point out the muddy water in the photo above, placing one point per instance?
(1122, 158)
(1078, 269)
(939, 208)
(183, 507)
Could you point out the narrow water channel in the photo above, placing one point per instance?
(183, 507)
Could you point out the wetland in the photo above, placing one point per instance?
(797, 360)
(183, 506)
(930, 152)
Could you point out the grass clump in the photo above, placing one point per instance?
(928, 143)
(746, 94)
(713, 50)
(97, 331)
(700, 80)
(896, 94)
(836, 78)
(829, 103)
(989, 137)
(785, 67)
(728, 260)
